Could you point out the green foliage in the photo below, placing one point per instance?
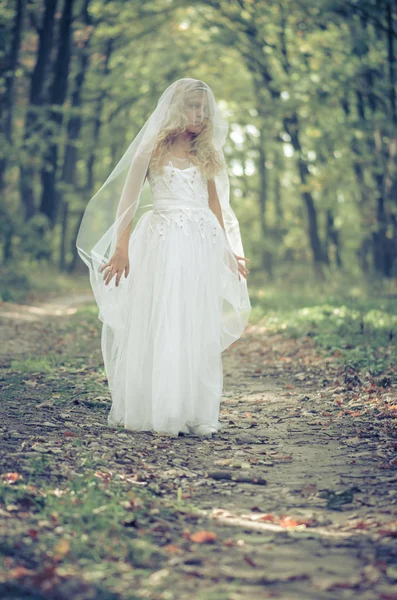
(32, 364)
(35, 239)
(24, 279)
(345, 318)
(306, 89)
(92, 517)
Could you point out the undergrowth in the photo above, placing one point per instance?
(349, 319)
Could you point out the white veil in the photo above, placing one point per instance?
(114, 205)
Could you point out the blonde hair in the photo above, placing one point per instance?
(201, 149)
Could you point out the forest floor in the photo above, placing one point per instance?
(294, 497)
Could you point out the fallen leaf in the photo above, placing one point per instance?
(172, 548)
(10, 477)
(20, 571)
(34, 534)
(289, 522)
(267, 517)
(202, 537)
(61, 549)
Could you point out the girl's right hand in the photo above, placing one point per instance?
(116, 265)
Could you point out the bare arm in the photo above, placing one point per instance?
(215, 206)
(122, 243)
(119, 263)
(214, 203)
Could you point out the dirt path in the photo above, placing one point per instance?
(295, 497)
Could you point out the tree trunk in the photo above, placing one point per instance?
(94, 142)
(98, 119)
(382, 151)
(73, 130)
(291, 125)
(64, 232)
(92, 156)
(7, 99)
(278, 206)
(33, 124)
(383, 252)
(267, 258)
(72, 265)
(332, 237)
(391, 59)
(75, 122)
(57, 97)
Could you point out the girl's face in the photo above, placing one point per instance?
(196, 110)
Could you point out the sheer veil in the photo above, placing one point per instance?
(114, 205)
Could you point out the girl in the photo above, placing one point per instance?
(183, 298)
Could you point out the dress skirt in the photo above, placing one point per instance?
(166, 325)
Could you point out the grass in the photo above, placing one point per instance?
(92, 523)
(350, 319)
(42, 364)
(93, 526)
(347, 317)
(26, 281)
(87, 527)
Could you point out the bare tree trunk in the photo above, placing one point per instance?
(94, 142)
(382, 150)
(266, 255)
(291, 125)
(73, 131)
(98, 118)
(278, 205)
(75, 122)
(33, 124)
(391, 59)
(57, 97)
(71, 267)
(64, 212)
(7, 99)
(332, 236)
(267, 258)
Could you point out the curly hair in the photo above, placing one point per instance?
(201, 150)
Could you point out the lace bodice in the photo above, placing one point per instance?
(178, 186)
(180, 195)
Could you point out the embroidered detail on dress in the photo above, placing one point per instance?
(161, 220)
(186, 186)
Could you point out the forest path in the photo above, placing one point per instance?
(295, 497)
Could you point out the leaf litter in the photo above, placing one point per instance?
(294, 495)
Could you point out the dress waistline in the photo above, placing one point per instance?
(179, 205)
(165, 206)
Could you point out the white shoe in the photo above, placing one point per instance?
(205, 430)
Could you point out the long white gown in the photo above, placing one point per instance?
(179, 308)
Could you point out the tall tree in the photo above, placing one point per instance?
(34, 121)
(57, 97)
(10, 63)
(245, 23)
(74, 125)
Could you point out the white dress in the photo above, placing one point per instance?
(180, 306)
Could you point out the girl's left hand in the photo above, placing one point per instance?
(242, 268)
